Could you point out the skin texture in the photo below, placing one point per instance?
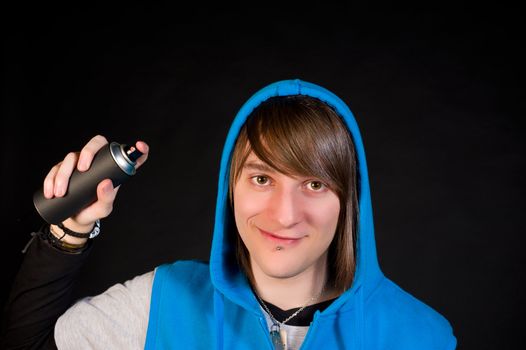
(287, 224)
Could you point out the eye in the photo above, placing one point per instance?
(260, 180)
(316, 186)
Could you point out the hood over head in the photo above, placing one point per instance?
(225, 273)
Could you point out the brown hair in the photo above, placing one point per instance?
(301, 135)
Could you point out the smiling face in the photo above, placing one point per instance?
(293, 190)
(286, 222)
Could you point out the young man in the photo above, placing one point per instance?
(293, 261)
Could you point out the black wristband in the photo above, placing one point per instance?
(94, 233)
(45, 234)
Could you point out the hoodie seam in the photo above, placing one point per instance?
(375, 289)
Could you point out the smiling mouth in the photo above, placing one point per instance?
(279, 239)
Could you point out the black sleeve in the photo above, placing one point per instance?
(41, 293)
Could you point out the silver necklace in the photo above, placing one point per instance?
(278, 336)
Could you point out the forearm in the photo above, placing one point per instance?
(42, 291)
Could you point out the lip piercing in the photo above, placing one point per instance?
(279, 248)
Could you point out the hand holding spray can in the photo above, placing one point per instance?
(115, 162)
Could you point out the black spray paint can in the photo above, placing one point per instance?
(114, 161)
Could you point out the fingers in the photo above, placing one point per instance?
(89, 150)
(144, 149)
(49, 182)
(56, 181)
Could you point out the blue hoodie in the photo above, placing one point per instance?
(195, 305)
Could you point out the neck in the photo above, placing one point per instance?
(293, 291)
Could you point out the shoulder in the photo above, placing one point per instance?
(185, 277)
(183, 271)
(408, 318)
(180, 288)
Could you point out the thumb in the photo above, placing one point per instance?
(105, 191)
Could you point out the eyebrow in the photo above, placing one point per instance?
(259, 166)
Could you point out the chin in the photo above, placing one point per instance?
(281, 268)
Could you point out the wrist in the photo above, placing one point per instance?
(74, 225)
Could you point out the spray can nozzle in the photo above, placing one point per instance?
(132, 153)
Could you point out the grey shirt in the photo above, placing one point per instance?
(295, 334)
(115, 319)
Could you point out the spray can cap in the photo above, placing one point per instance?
(125, 156)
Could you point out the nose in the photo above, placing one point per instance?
(285, 207)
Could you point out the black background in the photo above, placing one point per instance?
(437, 94)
